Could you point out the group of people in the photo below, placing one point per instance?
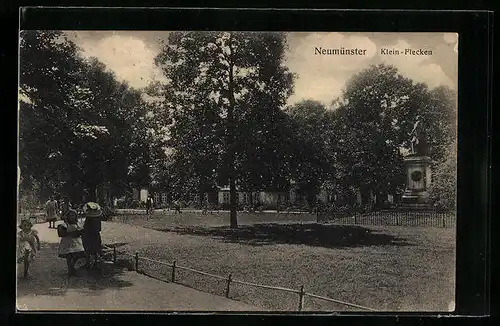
(78, 242)
(150, 206)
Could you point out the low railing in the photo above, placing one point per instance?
(34, 217)
(229, 280)
(391, 217)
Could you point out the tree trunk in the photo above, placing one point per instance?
(231, 143)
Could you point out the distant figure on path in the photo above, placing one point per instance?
(149, 205)
(206, 205)
(71, 246)
(92, 232)
(51, 212)
(177, 206)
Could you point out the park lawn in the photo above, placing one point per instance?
(162, 219)
(385, 268)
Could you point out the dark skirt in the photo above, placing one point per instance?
(51, 219)
(92, 242)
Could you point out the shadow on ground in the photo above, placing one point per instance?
(313, 234)
(49, 276)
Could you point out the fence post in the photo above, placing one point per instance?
(114, 254)
(355, 217)
(173, 272)
(229, 279)
(301, 298)
(137, 262)
(444, 223)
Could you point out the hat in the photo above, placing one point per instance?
(25, 222)
(92, 209)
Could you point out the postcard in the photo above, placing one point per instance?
(237, 171)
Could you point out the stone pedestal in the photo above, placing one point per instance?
(418, 181)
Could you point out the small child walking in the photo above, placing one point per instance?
(71, 246)
(29, 244)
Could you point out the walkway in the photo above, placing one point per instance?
(49, 287)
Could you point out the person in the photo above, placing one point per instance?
(92, 232)
(177, 206)
(67, 210)
(206, 205)
(29, 244)
(71, 246)
(51, 212)
(149, 205)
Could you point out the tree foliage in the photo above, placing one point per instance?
(372, 124)
(220, 120)
(444, 180)
(222, 88)
(313, 158)
(72, 116)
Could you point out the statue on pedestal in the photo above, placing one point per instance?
(418, 173)
(418, 141)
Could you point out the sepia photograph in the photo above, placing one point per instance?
(236, 171)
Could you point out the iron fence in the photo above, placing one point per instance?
(391, 217)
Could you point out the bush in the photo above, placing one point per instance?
(443, 187)
(121, 203)
(136, 204)
(108, 213)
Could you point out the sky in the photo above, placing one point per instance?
(130, 55)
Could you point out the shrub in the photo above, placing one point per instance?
(443, 186)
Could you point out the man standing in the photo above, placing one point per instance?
(149, 205)
(177, 206)
(51, 212)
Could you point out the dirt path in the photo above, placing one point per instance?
(49, 287)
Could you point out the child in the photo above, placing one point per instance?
(71, 246)
(27, 248)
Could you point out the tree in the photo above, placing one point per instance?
(72, 120)
(111, 159)
(313, 158)
(50, 71)
(377, 111)
(444, 180)
(440, 121)
(216, 82)
(267, 144)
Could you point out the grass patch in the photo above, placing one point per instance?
(383, 267)
(169, 218)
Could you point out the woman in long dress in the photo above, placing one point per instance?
(51, 211)
(92, 232)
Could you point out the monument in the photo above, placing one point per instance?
(418, 171)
